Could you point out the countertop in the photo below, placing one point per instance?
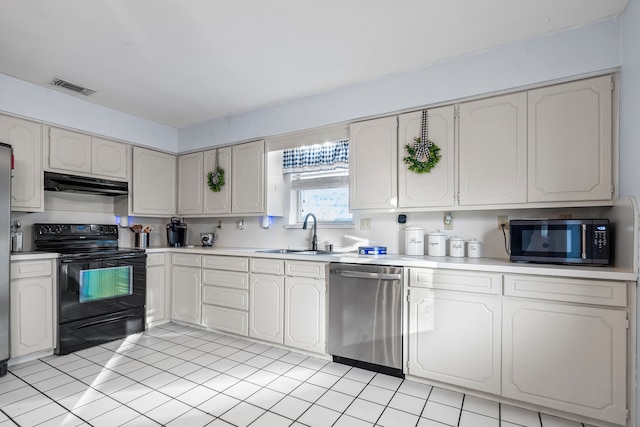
(31, 256)
(476, 264)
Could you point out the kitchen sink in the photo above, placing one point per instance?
(293, 251)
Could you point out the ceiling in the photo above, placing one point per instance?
(181, 63)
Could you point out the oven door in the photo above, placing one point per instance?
(97, 285)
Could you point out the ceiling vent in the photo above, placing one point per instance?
(72, 86)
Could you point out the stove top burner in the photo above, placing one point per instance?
(71, 239)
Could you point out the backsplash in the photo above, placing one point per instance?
(384, 229)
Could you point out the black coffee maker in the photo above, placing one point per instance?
(176, 233)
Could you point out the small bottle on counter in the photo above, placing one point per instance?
(16, 237)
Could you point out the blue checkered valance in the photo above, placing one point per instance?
(316, 158)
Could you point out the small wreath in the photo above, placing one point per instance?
(215, 180)
(425, 163)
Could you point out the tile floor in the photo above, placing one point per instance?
(175, 375)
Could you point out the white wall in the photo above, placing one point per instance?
(569, 53)
(45, 105)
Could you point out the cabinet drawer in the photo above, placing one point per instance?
(587, 291)
(219, 262)
(228, 279)
(155, 259)
(268, 266)
(188, 260)
(25, 269)
(226, 319)
(316, 270)
(226, 297)
(469, 281)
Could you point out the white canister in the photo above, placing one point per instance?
(414, 240)
(456, 247)
(437, 244)
(474, 248)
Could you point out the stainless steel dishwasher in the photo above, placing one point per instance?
(365, 316)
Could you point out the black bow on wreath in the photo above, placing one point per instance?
(422, 146)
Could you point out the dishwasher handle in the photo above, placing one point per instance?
(366, 275)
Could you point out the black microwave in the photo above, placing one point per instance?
(561, 241)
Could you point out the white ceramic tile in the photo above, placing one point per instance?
(429, 423)
(195, 342)
(365, 410)
(292, 357)
(130, 393)
(241, 371)
(175, 350)
(224, 351)
(169, 363)
(65, 390)
(218, 404)
(65, 420)
(348, 386)
(148, 401)
(209, 347)
(38, 415)
(442, 413)
(290, 407)
(80, 399)
(318, 416)
(85, 374)
(144, 373)
(360, 375)
(284, 385)
(278, 367)
(277, 353)
(113, 385)
(471, 419)
(242, 390)
(446, 397)
(10, 383)
(376, 394)
(299, 373)
(349, 421)
(257, 348)
(122, 414)
(323, 379)
(221, 382)
(125, 368)
(41, 375)
(226, 339)
(191, 354)
(519, 416)
(386, 381)
(261, 378)
(52, 382)
(313, 363)
(96, 408)
(223, 365)
(265, 398)
(549, 421)
(241, 356)
(192, 418)
(336, 401)
(61, 360)
(308, 392)
(160, 380)
(28, 368)
(394, 418)
(413, 388)
(184, 368)
(177, 387)
(25, 405)
(269, 419)
(481, 406)
(171, 410)
(337, 369)
(242, 414)
(406, 403)
(202, 375)
(258, 361)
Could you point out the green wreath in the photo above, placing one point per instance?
(216, 180)
(419, 166)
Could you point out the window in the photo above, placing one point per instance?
(318, 179)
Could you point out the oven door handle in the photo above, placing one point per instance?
(109, 320)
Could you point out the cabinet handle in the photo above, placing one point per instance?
(363, 275)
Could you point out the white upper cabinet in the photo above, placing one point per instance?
(493, 150)
(373, 164)
(248, 177)
(436, 188)
(570, 141)
(153, 189)
(26, 139)
(191, 182)
(69, 151)
(217, 202)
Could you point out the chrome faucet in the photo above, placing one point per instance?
(314, 240)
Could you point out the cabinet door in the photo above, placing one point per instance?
(220, 201)
(566, 357)
(191, 181)
(436, 188)
(493, 150)
(247, 177)
(570, 125)
(69, 151)
(109, 158)
(26, 186)
(305, 319)
(454, 337)
(185, 294)
(266, 297)
(156, 299)
(154, 183)
(31, 315)
(373, 164)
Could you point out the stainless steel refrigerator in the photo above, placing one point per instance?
(5, 252)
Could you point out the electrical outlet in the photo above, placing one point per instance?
(365, 223)
(219, 224)
(448, 221)
(503, 220)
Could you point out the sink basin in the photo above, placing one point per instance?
(293, 251)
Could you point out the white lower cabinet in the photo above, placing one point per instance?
(287, 303)
(567, 357)
(157, 298)
(225, 294)
(455, 338)
(31, 317)
(186, 284)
